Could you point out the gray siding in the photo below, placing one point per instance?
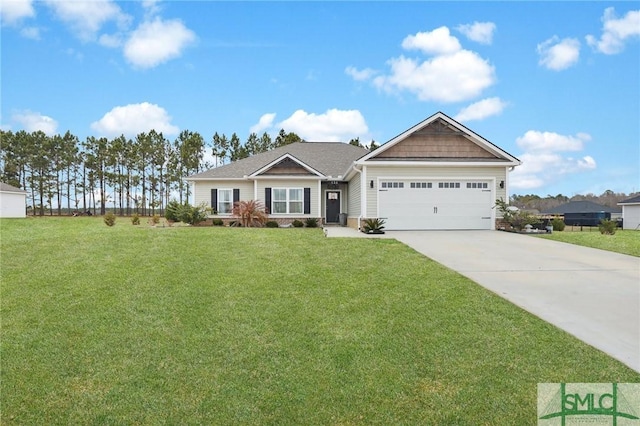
(355, 198)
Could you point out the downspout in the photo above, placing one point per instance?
(361, 194)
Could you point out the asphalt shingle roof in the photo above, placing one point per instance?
(329, 158)
(8, 188)
(632, 200)
(581, 207)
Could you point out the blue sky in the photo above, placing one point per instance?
(557, 84)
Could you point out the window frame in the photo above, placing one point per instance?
(288, 200)
(220, 202)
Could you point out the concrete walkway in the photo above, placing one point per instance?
(592, 294)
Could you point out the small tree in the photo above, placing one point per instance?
(249, 213)
(172, 211)
(607, 227)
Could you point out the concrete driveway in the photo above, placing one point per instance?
(592, 294)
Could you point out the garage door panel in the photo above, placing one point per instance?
(435, 207)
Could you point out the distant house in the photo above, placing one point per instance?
(584, 213)
(13, 201)
(631, 212)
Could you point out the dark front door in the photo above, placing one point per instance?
(332, 206)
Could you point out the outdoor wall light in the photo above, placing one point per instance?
(501, 184)
(371, 184)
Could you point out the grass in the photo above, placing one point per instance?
(141, 325)
(623, 241)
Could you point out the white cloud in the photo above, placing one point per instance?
(133, 119)
(536, 141)
(360, 75)
(451, 74)
(13, 11)
(615, 31)
(543, 161)
(558, 55)
(110, 40)
(86, 18)
(447, 78)
(333, 126)
(157, 41)
(30, 32)
(265, 122)
(481, 109)
(151, 7)
(481, 32)
(33, 121)
(436, 42)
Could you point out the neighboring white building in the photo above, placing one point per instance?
(631, 213)
(13, 201)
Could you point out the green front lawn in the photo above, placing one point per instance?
(215, 325)
(623, 241)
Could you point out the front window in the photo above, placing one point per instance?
(287, 201)
(225, 201)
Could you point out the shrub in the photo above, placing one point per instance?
(521, 219)
(155, 219)
(272, 224)
(249, 213)
(607, 227)
(373, 225)
(558, 224)
(311, 222)
(172, 211)
(297, 224)
(516, 218)
(192, 215)
(135, 219)
(110, 219)
(218, 222)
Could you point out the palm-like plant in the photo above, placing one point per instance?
(374, 226)
(249, 213)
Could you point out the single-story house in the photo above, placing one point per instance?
(436, 175)
(584, 213)
(13, 201)
(631, 213)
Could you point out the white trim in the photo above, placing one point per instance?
(281, 158)
(319, 200)
(287, 200)
(218, 200)
(189, 179)
(364, 187)
(399, 163)
(284, 177)
(474, 137)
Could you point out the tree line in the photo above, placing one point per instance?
(608, 198)
(140, 174)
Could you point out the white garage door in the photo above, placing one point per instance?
(408, 204)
